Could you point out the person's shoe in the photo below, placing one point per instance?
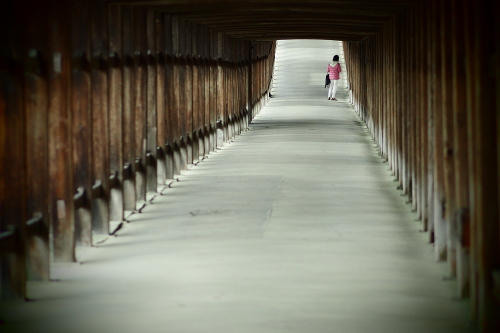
(329, 98)
(334, 99)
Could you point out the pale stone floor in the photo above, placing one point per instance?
(295, 226)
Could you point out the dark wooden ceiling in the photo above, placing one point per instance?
(350, 20)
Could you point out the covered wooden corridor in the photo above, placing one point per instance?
(106, 106)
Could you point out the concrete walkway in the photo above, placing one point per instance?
(296, 226)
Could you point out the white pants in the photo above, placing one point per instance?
(333, 88)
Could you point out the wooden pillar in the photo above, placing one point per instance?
(196, 95)
(115, 102)
(391, 90)
(176, 115)
(212, 111)
(412, 111)
(206, 92)
(220, 92)
(469, 41)
(170, 113)
(81, 126)
(440, 239)
(460, 149)
(250, 82)
(59, 142)
(140, 112)
(189, 92)
(36, 110)
(432, 41)
(423, 144)
(201, 86)
(417, 116)
(483, 151)
(184, 82)
(447, 130)
(151, 107)
(128, 109)
(405, 112)
(397, 102)
(179, 105)
(99, 116)
(161, 90)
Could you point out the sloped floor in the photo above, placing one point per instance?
(295, 226)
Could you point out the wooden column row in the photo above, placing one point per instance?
(261, 74)
(101, 106)
(427, 88)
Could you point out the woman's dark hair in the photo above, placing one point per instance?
(335, 58)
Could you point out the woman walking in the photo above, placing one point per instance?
(333, 71)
